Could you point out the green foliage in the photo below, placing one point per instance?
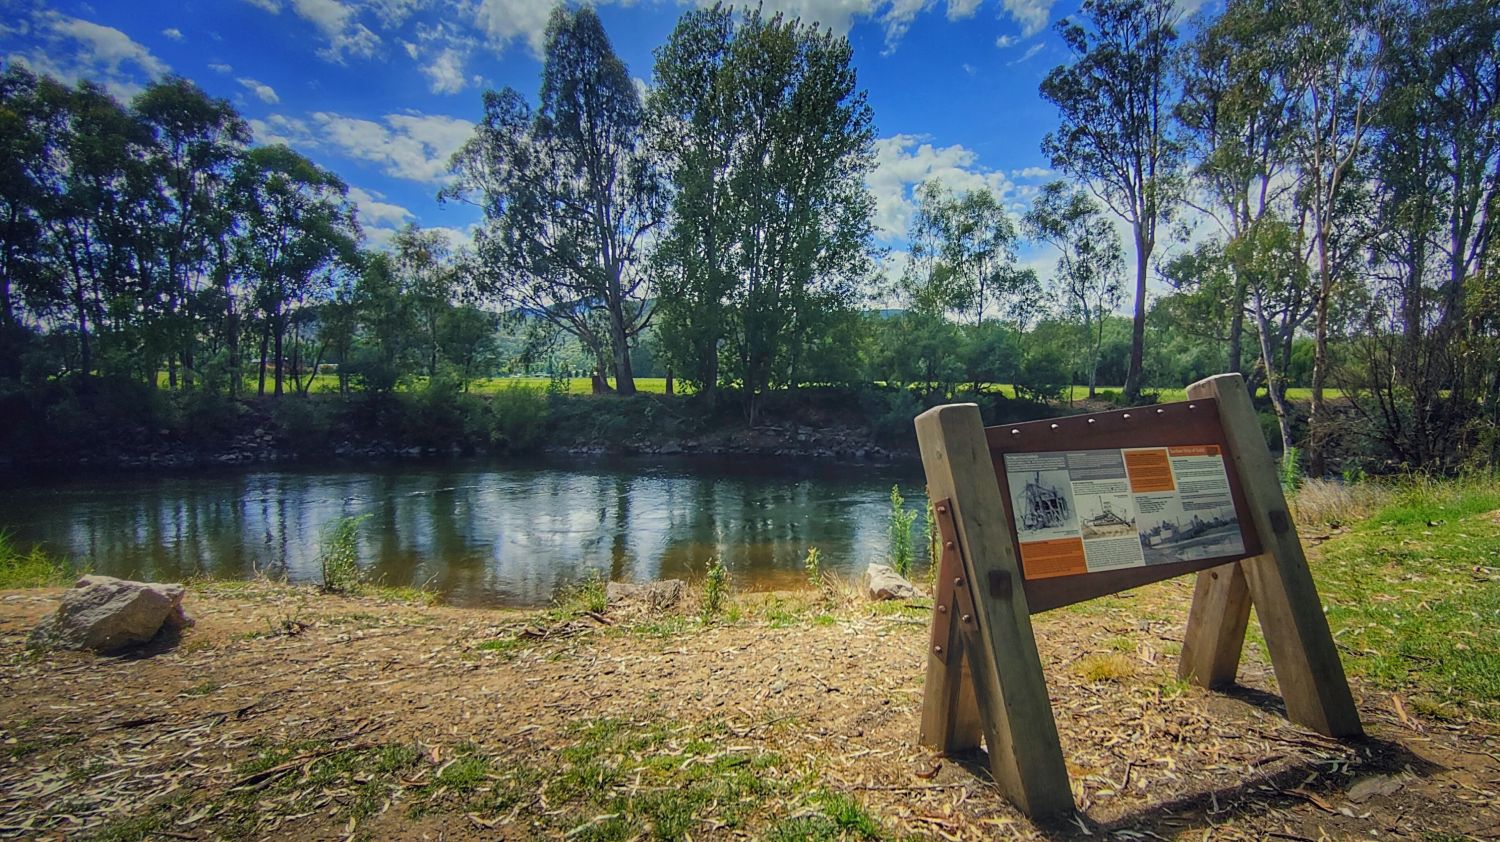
(338, 556)
(519, 417)
(1290, 470)
(31, 569)
(812, 566)
(900, 533)
(588, 595)
(715, 587)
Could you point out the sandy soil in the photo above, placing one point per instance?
(166, 745)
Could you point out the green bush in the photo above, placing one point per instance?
(305, 423)
(900, 533)
(518, 418)
(338, 557)
(715, 587)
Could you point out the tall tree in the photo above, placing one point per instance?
(24, 159)
(1238, 116)
(963, 252)
(1333, 72)
(1115, 103)
(197, 140)
(1090, 263)
(569, 192)
(296, 222)
(792, 234)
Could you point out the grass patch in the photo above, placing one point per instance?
(1109, 667)
(1413, 593)
(31, 569)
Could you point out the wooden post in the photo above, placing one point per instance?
(1216, 627)
(1009, 691)
(1278, 583)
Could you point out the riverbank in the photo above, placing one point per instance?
(786, 716)
(131, 427)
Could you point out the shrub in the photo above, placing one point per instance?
(900, 532)
(338, 557)
(518, 418)
(1290, 470)
(813, 566)
(715, 587)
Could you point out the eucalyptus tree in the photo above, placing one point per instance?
(96, 187)
(1090, 263)
(790, 234)
(569, 192)
(23, 162)
(963, 252)
(196, 142)
(1332, 70)
(1238, 117)
(1115, 135)
(424, 265)
(296, 223)
(1426, 368)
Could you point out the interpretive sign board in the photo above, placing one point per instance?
(1093, 505)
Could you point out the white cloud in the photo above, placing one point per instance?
(172, 32)
(261, 90)
(1030, 52)
(506, 21)
(904, 161)
(72, 49)
(374, 211)
(1005, 41)
(1032, 172)
(446, 71)
(412, 146)
(1032, 15)
(960, 9)
(336, 21)
(220, 67)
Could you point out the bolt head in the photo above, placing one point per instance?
(937, 650)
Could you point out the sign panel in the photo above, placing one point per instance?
(1114, 500)
(1087, 511)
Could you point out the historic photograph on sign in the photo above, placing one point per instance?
(1196, 519)
(1041, 496)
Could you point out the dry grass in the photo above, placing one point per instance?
(1113, 667)
(1329, 503)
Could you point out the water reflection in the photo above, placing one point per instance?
(481, 533)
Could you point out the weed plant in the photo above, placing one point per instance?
(339, 557)
(900, 533)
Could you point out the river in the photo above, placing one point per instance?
(477, 532)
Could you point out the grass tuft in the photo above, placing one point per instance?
(1111, 667)
(31, 569)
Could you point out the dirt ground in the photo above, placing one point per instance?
(472, 720)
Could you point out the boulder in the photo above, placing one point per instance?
(106, 614)
(653, 596)
(881, 582)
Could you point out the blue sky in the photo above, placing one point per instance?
(382, 91)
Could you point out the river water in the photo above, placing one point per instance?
(478, 532)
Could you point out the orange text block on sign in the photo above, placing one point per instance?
(1058, 557)
(1149, 470)
(1194, 450)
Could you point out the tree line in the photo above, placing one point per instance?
(1307, 189)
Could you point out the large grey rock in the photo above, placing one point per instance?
(881, 582)
(106, 614)
(653, 596)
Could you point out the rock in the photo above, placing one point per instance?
(653, 596)
(881, 582)
(106, 614)
(1371, 787)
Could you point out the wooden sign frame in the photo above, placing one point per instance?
(984, 675)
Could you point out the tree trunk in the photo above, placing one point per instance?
(620, 345)
(1138, 326)
(280, 331)
(669, 380)
(265, 338)
(1235, 361)
(1273, 380)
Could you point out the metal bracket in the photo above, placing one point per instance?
(954, 592)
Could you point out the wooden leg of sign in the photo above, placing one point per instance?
(1025, 754)
(1281, 586)
(950, 713)
(1216, 627)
